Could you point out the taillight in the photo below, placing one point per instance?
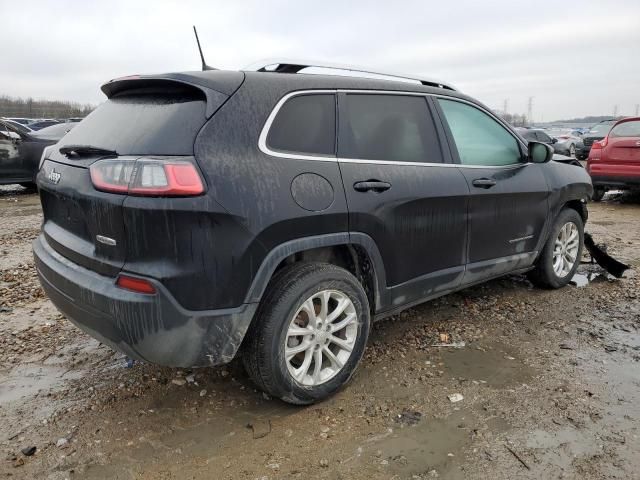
(601, 144)
(138, 285)
(147, 176)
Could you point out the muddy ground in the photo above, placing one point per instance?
(550, 382)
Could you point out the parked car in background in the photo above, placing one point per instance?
(567, 140)
(42, 124)
(57, 131)
(23, 121)
(614, 161)
(284, 237)
(540, 135)
(596, 133)
(21, 128)
(20, 152)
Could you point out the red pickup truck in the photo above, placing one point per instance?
(614, 161)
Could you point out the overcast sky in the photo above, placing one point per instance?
(574, 58)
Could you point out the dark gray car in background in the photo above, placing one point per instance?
(21, 151)
(595, 134)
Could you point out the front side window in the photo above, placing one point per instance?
(528, 135)
(305, 124)
(626, 129)
(480, 139)
(388, 127)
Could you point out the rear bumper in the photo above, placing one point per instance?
(615, 181)
(152, 328)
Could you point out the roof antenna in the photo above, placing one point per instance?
(205, 67)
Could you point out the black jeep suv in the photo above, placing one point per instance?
(273, 214)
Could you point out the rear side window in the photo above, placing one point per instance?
(626, 129)
(388, 127)
(480, 139)
(162, 123)
(543, 137)
(305, 124)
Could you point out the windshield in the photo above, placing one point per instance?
(560, 132)
(602, 128)
(17, 126)
(163, 123)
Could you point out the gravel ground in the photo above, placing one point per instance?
(549, 381)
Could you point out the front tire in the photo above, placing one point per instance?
(561, 254)
(310, 333)
(598, 194)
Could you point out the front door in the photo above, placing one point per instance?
(508, 203)
(402, 193)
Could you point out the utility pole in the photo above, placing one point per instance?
(505, 107)
(615, 111)
(530, 111)
(637, 110)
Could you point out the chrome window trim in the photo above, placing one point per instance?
(262, 139)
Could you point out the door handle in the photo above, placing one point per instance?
(371, 185)
(484, 182)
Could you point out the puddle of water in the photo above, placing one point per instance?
(432, 444)
(496, 367)
(584, 279)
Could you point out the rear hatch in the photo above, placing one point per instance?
(624, 150)
(144, 116)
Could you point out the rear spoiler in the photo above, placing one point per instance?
(217, 86)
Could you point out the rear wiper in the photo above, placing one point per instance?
(82, 150)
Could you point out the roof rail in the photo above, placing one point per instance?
(295, 66)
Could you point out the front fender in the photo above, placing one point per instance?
(567, 183)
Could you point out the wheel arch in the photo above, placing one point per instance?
(579, 206)
(356, 252)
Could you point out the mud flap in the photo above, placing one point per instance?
(610, 264)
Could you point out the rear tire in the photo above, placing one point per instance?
(598, 194)
(561, 253)
(295, 315)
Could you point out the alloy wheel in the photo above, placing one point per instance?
(320, 338)
(565, 251)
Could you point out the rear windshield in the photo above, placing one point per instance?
(143, 124)
(626, 129)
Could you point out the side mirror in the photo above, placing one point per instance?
(539, 152)
(554, 140)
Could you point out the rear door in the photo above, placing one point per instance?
(402, 192)
(86, 225)
(508, 203)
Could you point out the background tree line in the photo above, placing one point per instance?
(30, 108)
